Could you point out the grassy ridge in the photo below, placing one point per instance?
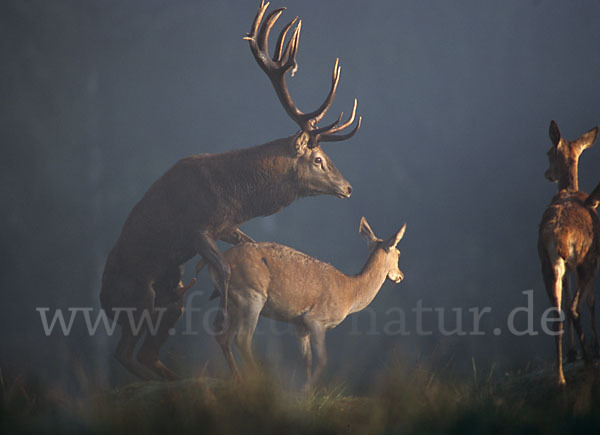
(407, 401)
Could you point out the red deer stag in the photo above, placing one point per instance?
(569, 237)
(281, 283)
(204, 198)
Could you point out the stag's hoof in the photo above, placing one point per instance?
(165, 373)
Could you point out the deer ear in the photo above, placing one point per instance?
(395, 239)
(300, 143)
(587, 139)
(554, 133)
(366, 232)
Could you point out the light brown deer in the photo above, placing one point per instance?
(568, 238)
(281, 283)
(205, 198)
(564, 170)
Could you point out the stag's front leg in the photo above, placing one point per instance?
(205, 246)
(236, 237)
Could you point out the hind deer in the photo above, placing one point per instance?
(278, 282)
(569, 239)
(205, 198)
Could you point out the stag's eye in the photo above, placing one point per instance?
(318, 160)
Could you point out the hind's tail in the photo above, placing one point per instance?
(594, 199)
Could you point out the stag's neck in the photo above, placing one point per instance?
(569, 179)
(364, 286)
(264, 180)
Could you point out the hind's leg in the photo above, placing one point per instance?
(572, 349)
(591, 302)
(205, 245)
(583, 284)
(224, 338)
(249, 304)
(553, 271)
(168, 308)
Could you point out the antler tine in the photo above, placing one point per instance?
(288, 60)
(325, 128)
(265, 30)
(281, 39)
(285, 59)
(337, 138)
(347, 123)
(318, 114)
(257, 19)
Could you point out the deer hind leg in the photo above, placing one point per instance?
(584, 284)
(249, 304)
(572, 349)
(130, 334)
(205, 246)
(553, 273)
(171, 305)
(306, 352)
(591, 301)
(225, 340)
(124, 354)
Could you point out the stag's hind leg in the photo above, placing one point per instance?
(126, 299)
(167, 308)
(124, 354)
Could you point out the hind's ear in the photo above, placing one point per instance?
(587, 139)
(366, 232)
(395, 239)
(554, 133)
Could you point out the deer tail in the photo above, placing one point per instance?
(594, 199)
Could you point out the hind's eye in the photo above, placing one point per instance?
(318, 160)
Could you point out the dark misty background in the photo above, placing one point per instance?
(99, 98)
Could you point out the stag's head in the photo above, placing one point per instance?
(564, 154)
(314, 168)
(386, 248)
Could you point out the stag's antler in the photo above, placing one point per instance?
(283, 61)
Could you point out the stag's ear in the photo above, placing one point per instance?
(300, 144)
(366, 232)
(395, 239)
(587, 139)
(554, 133)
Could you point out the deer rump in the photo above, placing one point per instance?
(570, 227)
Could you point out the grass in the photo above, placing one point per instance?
(403, 400)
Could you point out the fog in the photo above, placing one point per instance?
(100, 98)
